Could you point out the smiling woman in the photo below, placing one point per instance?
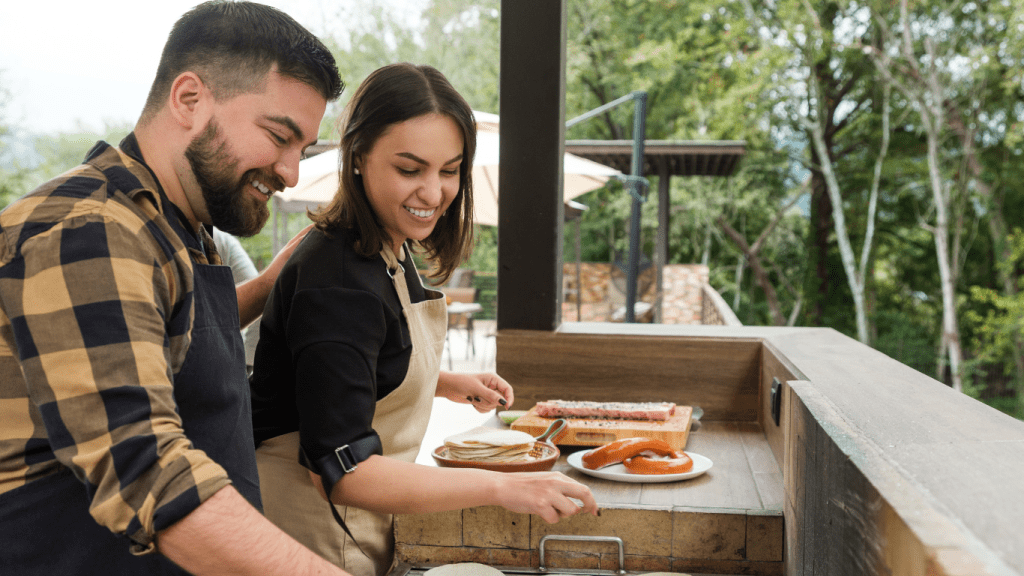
(419, 117)
(411, 176)
(348, 362)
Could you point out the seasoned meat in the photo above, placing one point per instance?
(622, 410)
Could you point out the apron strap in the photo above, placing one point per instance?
(397, 273)
(343, 460)
(338, 463)
(337, 517)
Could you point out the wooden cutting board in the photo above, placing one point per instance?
(598, 431)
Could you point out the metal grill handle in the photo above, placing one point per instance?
(614, 539)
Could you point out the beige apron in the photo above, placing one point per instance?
(292, 502)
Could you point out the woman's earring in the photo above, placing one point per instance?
(356, 170)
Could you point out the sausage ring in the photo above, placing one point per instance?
(619, 450)
(643, 464)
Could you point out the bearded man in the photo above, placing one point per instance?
(125, 430)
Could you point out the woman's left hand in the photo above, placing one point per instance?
(485, 391)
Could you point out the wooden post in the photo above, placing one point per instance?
(530, 181)
(661, 243)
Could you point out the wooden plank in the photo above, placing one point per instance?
(755, 447)
(793, 480)
(773, 366)
(896, 427)
(766, 472)
(951, 468)
(595, 432)
(718, 375)
(769, 488)
(729, 484)
(847, 526)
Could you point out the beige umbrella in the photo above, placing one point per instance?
(318, 181)
(318, 178)
(580, 176)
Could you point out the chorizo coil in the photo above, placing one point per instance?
(619, 450)
(678, 463)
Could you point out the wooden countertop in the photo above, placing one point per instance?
(727, 521)
(744, 476)
(880, 462)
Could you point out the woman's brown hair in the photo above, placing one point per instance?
(388, 96)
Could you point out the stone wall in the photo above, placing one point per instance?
(599, 298)
(683, 296)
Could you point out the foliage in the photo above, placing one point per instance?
(63, 151)
(52, 154)
(485, 251)
(12, 174)
(998, 322)
(458, 37)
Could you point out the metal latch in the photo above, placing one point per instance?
(776, 400)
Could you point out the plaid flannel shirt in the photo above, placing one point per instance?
(95, 321)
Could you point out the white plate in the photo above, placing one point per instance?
(618, 472)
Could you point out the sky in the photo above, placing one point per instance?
(70, 62)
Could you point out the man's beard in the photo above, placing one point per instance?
(229, 206)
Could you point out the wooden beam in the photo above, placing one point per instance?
(530, 181)
(719, 375)
(661, 242)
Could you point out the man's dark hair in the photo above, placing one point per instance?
(233, 45)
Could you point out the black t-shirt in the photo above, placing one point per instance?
(333, 341)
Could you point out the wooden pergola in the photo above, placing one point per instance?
(665, 159)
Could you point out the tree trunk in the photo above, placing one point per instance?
(996, 222)
(760, 274)
(950, 326)
(926, 91)
(838, 218)
(818, 284)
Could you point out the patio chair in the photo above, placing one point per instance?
(461, 278)
(462, 306)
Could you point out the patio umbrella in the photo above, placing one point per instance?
(318, 178)
(580, 176)
(318, 181)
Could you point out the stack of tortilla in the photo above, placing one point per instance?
(490, 445)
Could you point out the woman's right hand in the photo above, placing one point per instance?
(546, 494)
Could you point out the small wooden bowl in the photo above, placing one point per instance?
(545, 455)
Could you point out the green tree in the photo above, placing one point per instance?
(12, 174)
(462, 39)
(458, 37)
(64, 150)
(997, 321)
(706, 78)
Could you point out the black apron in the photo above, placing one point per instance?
(45, 526)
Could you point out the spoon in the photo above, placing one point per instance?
(553, 430)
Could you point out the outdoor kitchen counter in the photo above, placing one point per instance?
(727, 521)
